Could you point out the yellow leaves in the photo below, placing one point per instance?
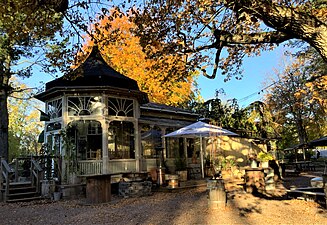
(318, 88)
(164, 80)
(300, 93)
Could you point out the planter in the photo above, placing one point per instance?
(45, 188)
(182, 174)
(254, 164)
(265, 164)
(56, 196)
(217, 196)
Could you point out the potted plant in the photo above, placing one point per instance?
(264, 158)
(181, 168)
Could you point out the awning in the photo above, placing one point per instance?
(41, 137)
(318, 142)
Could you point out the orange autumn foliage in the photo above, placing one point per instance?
(163, 80)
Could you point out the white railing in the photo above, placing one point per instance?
(87, 167)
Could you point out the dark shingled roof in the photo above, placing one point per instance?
(94, 72)
(162, 107)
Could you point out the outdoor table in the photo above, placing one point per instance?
(98, 188)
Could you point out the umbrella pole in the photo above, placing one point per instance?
(201, 157)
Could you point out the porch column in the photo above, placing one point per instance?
(63, 150)
(137, 144)
(163, 130)
(185, 150)
(105, 158)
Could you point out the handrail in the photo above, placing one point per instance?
(36, 165)
(5, 170)
(36, 174)
(6, 165)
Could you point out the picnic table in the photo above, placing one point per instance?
(303, 165)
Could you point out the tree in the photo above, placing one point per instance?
(225, 114)
(255, 120)
(295, 106)
(317, 82)
(242, 27)
(164, 79)
(24, 124)
(23, 25)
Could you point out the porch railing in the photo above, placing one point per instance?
(90, 167)
(87, 167)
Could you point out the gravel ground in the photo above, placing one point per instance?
(185, 206)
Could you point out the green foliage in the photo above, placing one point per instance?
(265, 156)
(24, 125)
(297, 100)
(25, 27)
(180, 163)
(254, 120)
(70, 151)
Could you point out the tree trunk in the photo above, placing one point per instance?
(4, 122)
(301, 131)
(5, 75)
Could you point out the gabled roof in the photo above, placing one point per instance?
(93, 73)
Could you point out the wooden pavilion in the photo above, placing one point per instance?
(100, 122)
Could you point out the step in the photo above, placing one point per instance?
(21, 194)
(21, 189)
(25, 199)
(20, 183)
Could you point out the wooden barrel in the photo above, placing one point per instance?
(217, 197)
(173, 181)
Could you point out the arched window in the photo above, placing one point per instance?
(84, 106)
(54, 108)
(120, 107)
(121, 143)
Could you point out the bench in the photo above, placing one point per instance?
(292, 172)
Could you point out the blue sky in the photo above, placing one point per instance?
(256, 70)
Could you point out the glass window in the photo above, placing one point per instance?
(151, 138)
(174, 146)
(121, 143)
(53, 126)
(54, 108)
(86, 137)
(84, 106)
(94, 127)
(120, 107)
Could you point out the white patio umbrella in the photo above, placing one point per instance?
(200, 129)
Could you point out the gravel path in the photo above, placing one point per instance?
(187, 206)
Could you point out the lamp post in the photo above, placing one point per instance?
(160, 166)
